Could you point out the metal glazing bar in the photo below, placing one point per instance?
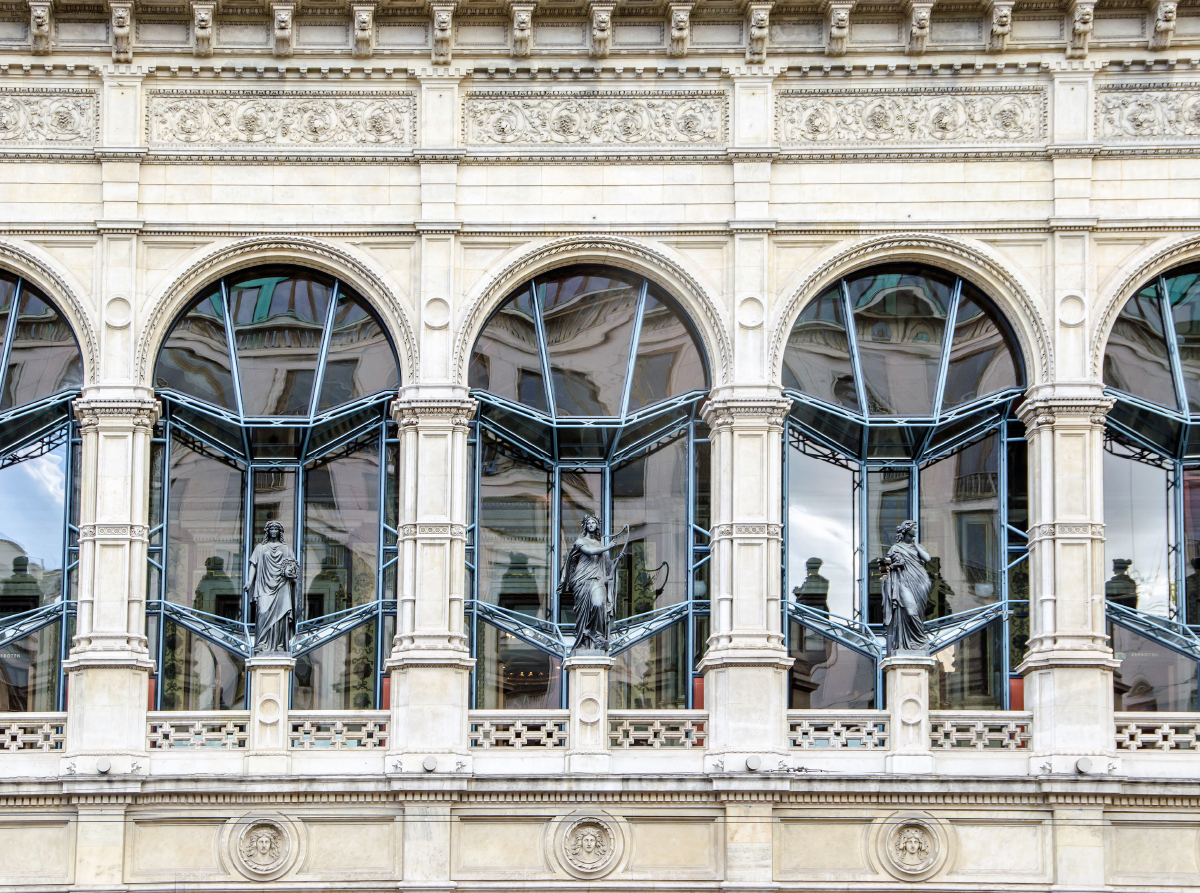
(10, 329)
(860, 383)
(634, 338)
(947, 340)
(323, 352)
(1172, 345)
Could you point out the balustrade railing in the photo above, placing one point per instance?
(839, 729)
(323, 730)
(977, 730)
(1169, 732)
(227, 730)
(25, 732)
(518, 728)
(643, 728)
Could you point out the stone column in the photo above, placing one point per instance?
(907, 680)
(587, 693)
(109, 665)
(270, 691)
(1069, 667)
(746, 663)
(430, 664)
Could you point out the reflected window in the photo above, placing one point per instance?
(904, 381)
(41, 371)
(276, 383)
(589, 380)
(1152, 677)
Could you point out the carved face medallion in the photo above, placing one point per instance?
(912, 847)
(263, 847)
(589, 846)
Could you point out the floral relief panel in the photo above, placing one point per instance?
(48, 117)
(1148, 111)
(199, 118)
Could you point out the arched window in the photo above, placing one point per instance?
(903, 380)
(41, 371)
(1152, 494)
(588, 381)
(275, 383)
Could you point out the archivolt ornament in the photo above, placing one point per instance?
(595, 118)
(197, 118)
(808, 117)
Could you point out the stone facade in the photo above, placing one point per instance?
(435, 156)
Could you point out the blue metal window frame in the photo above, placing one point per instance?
(996, 417)
(236, 636)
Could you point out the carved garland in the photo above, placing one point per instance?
(62, 295)
(299, 250)
(882, 249)
(497, 288)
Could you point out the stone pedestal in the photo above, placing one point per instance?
(587, 692)
(270, 691)
(907, 679)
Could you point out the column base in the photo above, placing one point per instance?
(427, 730)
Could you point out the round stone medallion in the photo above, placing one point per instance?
(912, 847)
(262, 847)
(590, 846)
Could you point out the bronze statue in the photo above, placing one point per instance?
(273, 573)
(587, 576)
(906, 586)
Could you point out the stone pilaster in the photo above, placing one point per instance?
(745, 665)
(587, 688)
(109, 665)
(1069, 667)
(270, 691)
(430, 663)
(907, 680)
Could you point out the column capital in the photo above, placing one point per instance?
(131, 411)
(730, 410)
(1047, 411)
(439, 412)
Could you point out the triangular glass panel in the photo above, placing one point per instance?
(278, 320)
(360, 359)
(816, 360)
(588, 313)
(669, 361)
(505, 360)
(195, 358)
(44, 357)
(1136, 359)
(981, 357)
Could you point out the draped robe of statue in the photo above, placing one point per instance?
(906, 588)
(273, 596)
(585, 576)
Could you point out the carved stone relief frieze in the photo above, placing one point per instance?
(934, 116)
(1148, 111)
(694, 118)
(211, 118)
(48, 117)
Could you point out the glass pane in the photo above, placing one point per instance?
(204, 552)
(44, 358)
(392, 489)
(278, 319)
(826, 675)
(588, 313)
(32, 526)
(899, 321)
(653, 674)
(1136, 534)
(1136, 360)
(817, 357)
(981, 359)
(960, 528)
(341, 533)
(275, 500)
(1151, 677)
(340, 675)
(29, 670)
(360, 360)
(650, 495)
(888, 506)
(966, 676)
(843, 434)
(513, 675)
(1191, 544)
(668, 360)
(821, 536)
(514, 537)
(1017, 475)
(1183, 293)
(195, 358)
(158, 451)
(8, 286)
(198, 675)
(505, 359)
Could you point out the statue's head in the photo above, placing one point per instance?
(273, 531)
(590, 525)
(907, 532)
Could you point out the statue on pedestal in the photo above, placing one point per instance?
(906, 586)
(587, 577)
(272, 577)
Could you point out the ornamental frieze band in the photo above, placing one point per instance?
(931, 116)
(693, 118)
(200, 118)
(1148, 111)
(48, 117)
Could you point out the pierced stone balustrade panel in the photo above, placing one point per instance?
(993, 730)
(518, 729)
(337, 731)
(1164, 732)
(640, 728)
(30, 732)
(224, 731)
(839, 729)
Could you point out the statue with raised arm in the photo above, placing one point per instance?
(906, 586)
(272, 580)
(587, 578)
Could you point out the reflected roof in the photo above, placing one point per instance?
(39, 356)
